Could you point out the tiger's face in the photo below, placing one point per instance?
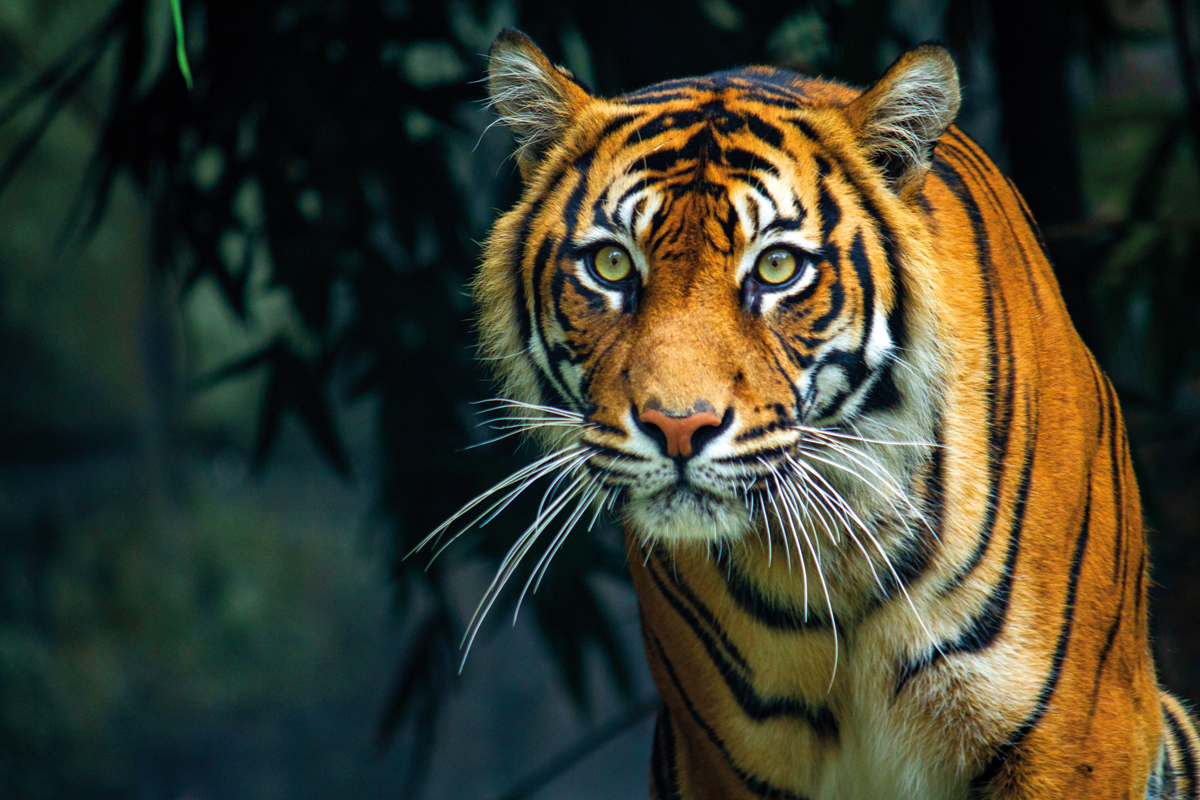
(702, 272)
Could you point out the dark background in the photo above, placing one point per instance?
(237, 375)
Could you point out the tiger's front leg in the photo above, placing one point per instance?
(1115, 752)
(670, 770)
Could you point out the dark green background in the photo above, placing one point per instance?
(237, 375)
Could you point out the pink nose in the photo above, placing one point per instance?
(679, 430)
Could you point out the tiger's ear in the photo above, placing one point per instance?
(901, 117)
(534, 98)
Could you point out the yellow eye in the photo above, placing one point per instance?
(775, 266)
(612, 263)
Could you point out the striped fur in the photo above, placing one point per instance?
(908, 562)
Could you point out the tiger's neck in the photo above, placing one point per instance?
(757, 675)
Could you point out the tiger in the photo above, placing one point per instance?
(804, 342)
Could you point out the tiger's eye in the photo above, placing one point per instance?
(612, 263)
(776, 266)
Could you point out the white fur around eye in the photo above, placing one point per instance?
(808, 276)
(614, 296)
(806, 265)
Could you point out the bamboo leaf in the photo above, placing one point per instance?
(180, 50)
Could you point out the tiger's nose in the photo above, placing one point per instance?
(678, 431)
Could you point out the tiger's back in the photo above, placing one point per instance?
(877, 495)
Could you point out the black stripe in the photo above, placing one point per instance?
(934, 499)
(837, 296)
(641, 184)
(740, 159)
(701, 610)
(1115, 427)
(801, 359)
(999, 415)
(989, 177)
(756, 785)
(755, 706)
(700, 145)
(612, 452)
(778, 81)
(524, 316)
(915, 557)
(782, 222)
(752, 704)
(1167, 787)
(656, 230)
(517, 262)
(1007, 749)
(804, 127)
(896, 319)
(854, 364)
(612, 126)
(866, 283)
(683, 84)
(797, 400)
(662, 757)
(1140, 595)
(762, 609)
(652, 98)
(601, 427)
(855, 370)
(1183, 747)
(597, 302)
(668, 120)
(828, 208)
(542, 262)
(778, 100)
(984, 627)
(1109, 639)
(884, 394)
(753, 457)
(548, 386)
(1107, 427)
(790, 302)
(571, 209)
(764, 131)
(759, 431)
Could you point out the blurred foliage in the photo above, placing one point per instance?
(98, 619)
(335, 152)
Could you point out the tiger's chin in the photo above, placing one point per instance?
(679, 515)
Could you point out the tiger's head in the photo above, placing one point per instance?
(721, 284)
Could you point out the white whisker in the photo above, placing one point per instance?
(505, 402)
(836, 434)
(824, 505)
(515, 555)
(586, 496)
(790, 495)
(895, 490)
(513, 430)
(784, 498)
(887, 561)
(529, 475)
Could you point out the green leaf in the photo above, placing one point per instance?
(180, 50)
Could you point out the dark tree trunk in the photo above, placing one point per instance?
(1032, 48)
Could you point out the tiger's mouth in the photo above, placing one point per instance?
(684, 496)
(685, 511)
(687, 500)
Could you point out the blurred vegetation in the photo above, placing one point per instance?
(314, 204)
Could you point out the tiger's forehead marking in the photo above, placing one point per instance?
(759, 84)
(710, 154)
